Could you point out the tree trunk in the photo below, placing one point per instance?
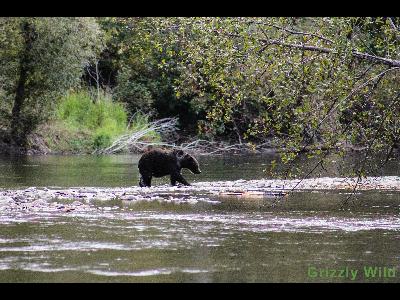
(18, 126)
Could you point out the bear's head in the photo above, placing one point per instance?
(187, 161)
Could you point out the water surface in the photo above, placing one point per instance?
(208, 240)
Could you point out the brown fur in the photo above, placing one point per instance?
(160, 163)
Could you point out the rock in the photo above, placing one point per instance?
(36, 199)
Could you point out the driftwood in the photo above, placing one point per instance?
(167, 128)
(134, 142)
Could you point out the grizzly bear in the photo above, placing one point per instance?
(160, 163)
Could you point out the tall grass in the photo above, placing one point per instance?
(85, 123)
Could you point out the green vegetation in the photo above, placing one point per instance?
(41, 58)
(328, 83)
(104, 118)
(83, 123)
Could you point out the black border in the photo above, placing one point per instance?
(153, 8)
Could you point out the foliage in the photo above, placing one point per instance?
(104, 119)
(304, 80)
(322, 82)
(40, 59)
(89, 123)
(140, 79)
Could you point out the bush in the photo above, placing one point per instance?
(84, 122)
(102, 117)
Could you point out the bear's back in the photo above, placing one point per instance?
(156, 162)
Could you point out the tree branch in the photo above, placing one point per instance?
(300, 33)
(291, 31)
(356, 54)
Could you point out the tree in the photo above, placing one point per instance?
(133, 66)
(40, 59)
(306, 81)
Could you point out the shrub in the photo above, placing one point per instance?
(94, 122)
(104, 118)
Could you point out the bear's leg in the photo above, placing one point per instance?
(141, 183)
(178, 177)
(145, 181)
(173, 180)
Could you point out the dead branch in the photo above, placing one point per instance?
(134, 140)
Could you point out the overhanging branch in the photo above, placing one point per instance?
(359, 55)
(356, 54)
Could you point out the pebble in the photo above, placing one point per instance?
(42, 198)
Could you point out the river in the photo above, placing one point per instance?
(305, 238)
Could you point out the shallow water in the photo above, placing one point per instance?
(207, 240)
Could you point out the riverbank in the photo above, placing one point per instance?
(79, 198)
(53, 139)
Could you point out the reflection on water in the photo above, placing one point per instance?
(211, 240)
(121, 170)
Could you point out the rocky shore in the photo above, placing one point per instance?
(80, 198)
